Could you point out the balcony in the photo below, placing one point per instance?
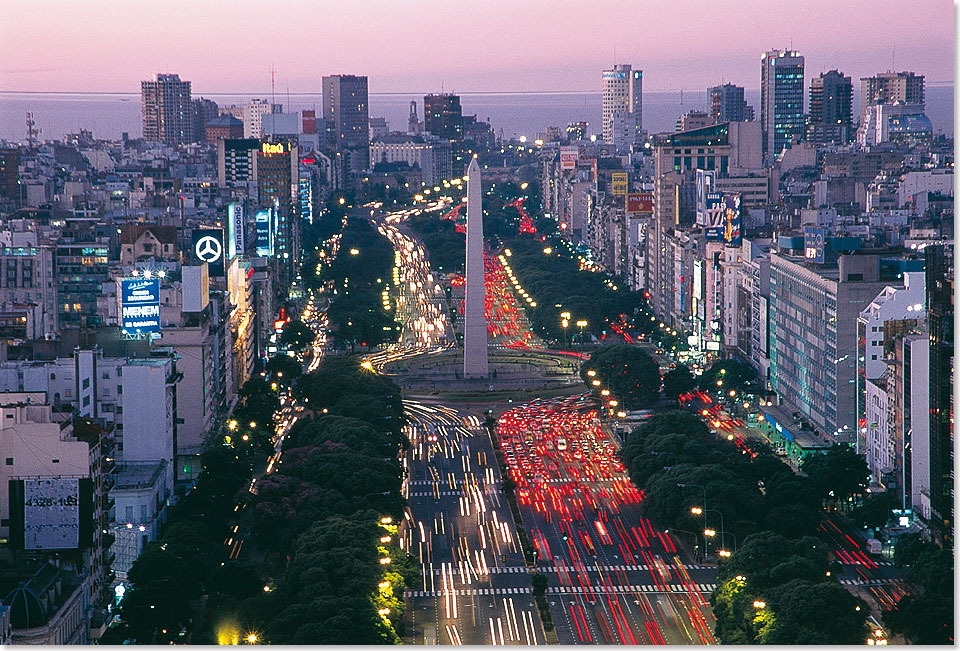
(107, 502)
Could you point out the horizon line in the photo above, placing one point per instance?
(940, 84)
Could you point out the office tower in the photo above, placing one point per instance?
(781, 99)
(346, 112)
(475, 364)
(939, 269)
(204, 111)
(890, 87)
(814, 370)
(622, 93)
(167, 110)
(726, 104)
(443, 118)
(309, 121)
(413, 122)
(253, 113)
(831, 105)
(278, 182)
(237, 162)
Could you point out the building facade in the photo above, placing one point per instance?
(621, 93)
(167, 110)
(781, 99)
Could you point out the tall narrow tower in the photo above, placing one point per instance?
(474, 321)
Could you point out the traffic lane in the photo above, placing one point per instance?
(601, 586)
(453, 531)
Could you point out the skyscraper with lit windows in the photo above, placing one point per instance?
(781, 99)
(167, 110)
(622, 95)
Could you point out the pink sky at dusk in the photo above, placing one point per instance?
(494, 45)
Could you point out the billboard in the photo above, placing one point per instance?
(764, 327)
(640, 203)
(714, 216)
(619, 184)
(706, 182)
(264, 224)
(731, 218)
(51, 514)
(208, 247)
(569, 156)
(139, 305)
(813, 243)
(236, 234)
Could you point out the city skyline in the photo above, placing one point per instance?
(414, 45)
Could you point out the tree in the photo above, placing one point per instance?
(678, 381)
(805, 612)
(283, 368)
(874, 512)
(733, 374)
(628, 372)
(297, 335)
(837, 474)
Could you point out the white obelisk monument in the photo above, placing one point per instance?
(474, 321)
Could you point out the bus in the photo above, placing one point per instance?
(561, 444)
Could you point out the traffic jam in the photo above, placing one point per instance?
(582, 513)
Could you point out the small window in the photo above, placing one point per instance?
(86, 383)
(56, 461)
(9, 461)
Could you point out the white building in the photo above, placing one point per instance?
(253, 113)
(434, 158)
(622, 92)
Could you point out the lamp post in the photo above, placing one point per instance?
(705, 549)
(564, 322)
(582, 324)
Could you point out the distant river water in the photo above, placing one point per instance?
(108, 115)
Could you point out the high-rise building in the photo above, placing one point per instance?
(726, 104)
(939, 269)
(622, 92)
(346, 111)
(253, 116)
(781, 99)
(443, 118)
(9, 174)
(278, 182)
(814, 369)
(237, 162)
(890, 87)
(167, 110)
(204, 111)
(831, 106)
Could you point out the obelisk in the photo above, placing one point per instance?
(474, 321)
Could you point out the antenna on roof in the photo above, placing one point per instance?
(273, 86)
(893, 58)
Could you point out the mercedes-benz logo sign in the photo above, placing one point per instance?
(208, 249)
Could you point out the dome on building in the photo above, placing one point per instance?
(26, 609)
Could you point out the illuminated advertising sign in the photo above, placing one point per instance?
(264, 224)
(764, 326)
(236, 242)
(714, 216)
(813, 243)
(706, 181)
(139, 305)
(731, 219)
(274, 148)
(569, 156)
(640, 203)
(619, 184)
(208, 247)
(51, 514)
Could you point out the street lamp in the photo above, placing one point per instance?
(581, 324)
(681, 485)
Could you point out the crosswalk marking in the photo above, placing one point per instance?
(565, 589)
(442, 494)
(869, 582)
(568, 568)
